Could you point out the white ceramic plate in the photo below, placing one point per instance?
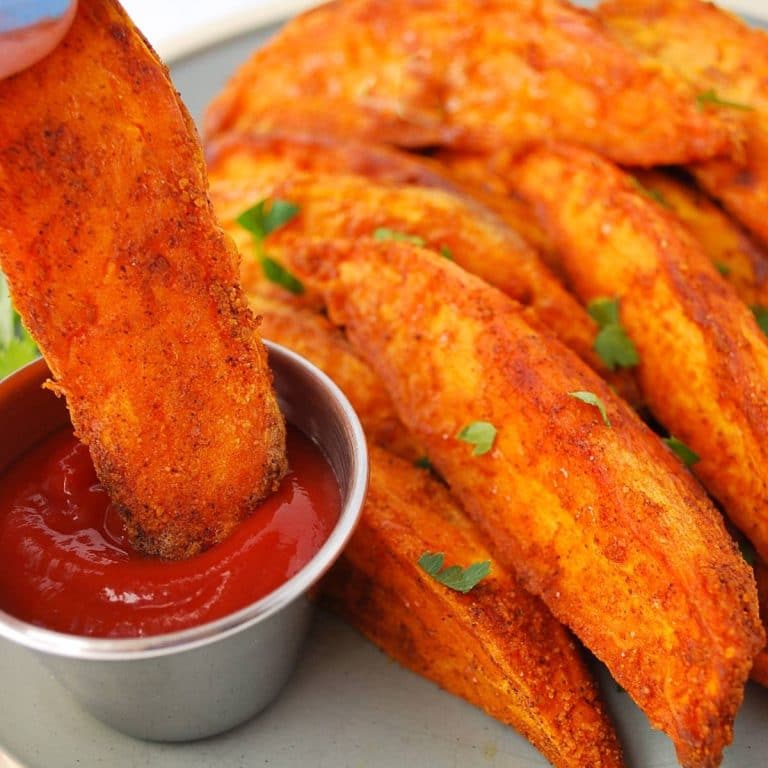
(347, 706)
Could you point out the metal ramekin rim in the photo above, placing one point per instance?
(135, 648)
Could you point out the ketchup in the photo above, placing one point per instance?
(66, 563)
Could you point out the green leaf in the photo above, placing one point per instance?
(277, 273)
(747, 551)
(423, 462)
(382, 233)
(17, 353)
(761, 316)
(615, 348)
(683, 452)
(266, 216)
(480, 434)
(651, 193)
(590, 398)
(710, 97)
(7, 314)
(604, 311)
(612, 343)
(455, 577)
(446, 252)
(722, 268)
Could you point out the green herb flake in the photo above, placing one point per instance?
(651, 193)
(455, 577)
(612, 344)
(262, 219)
(682, 451)
(590, 398)
(446, 252)
(722, 268)
(423, 462)
(275, 272)
(382, 233)
(480, 434)
(761, 316)
(747, 551)
(710, 97)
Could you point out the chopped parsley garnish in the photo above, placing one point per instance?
(16, 346)
(761, 317)
(612, 344)
(446, 252)
(683, 452)
(261, 220)
(455, 577)
(650, 192)
(590, 398)
(382, 233)
(722, 268)
(710, 97)
(480, 434)
(275, 272)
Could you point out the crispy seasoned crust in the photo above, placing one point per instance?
(311, 335)
(741, 260)
(602, 522)
(470, 74)
(497, 646)
(336, 201)
(703, 360)
(121, 274)
(715, 51)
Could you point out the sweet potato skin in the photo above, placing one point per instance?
(121, 274)
(714, 50)
(603, 523)
(470, 74)
(741, 260)
(497, 646)
(703, 360)
(335, 203)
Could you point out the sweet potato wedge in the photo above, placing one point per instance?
(311, 335)
(470, 75)
(601, 521)
(727, 63)
(496, 646)
(338, 205)
(740, 259)
(703, 360)
(119, 270)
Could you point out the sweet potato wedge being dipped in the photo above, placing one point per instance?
(726, 61)
(471, 75)
(120, 272)
(578, 496)
(496, 646)
(702, 361)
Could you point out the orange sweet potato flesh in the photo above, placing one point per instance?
(703, 359)
(130, 288)
(496, 646)
(470, 75)
(602, 522)
(741, 260)
(336, 203)
(714, 51)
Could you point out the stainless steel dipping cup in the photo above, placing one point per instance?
(204, 680)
